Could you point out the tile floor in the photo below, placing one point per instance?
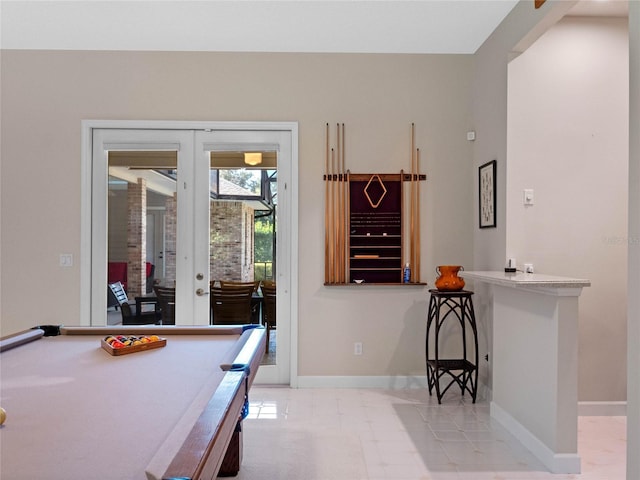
(369, 434)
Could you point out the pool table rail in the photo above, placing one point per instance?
(202, 453)
(15, 340)
(244, 356)
(216, 436)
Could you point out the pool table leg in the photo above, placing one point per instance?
(233, 457)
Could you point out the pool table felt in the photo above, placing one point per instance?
(111, 412)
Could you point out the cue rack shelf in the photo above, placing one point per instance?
(366, 226)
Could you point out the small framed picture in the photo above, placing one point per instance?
(487, 192)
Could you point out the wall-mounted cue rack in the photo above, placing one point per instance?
(366, 229)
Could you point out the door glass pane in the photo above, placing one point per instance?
(141, 240)
(243, 204)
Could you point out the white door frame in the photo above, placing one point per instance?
(288, 213)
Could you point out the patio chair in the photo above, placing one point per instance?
(130, 315)
(231, 304)
(167, 301)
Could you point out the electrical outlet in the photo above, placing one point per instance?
(357, 348)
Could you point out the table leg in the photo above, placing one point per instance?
(233, 457)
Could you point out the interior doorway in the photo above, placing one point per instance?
(192, 146)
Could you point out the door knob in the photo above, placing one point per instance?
(200, 292)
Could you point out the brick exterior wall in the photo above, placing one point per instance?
(136, 237)
(171, 229)
(231, 249)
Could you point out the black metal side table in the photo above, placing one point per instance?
(463, 372)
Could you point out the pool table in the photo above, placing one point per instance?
(76, 411)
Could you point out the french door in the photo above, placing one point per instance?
(186, 262)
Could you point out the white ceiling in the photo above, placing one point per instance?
(391, 26)
(601, 8)
(377, 26)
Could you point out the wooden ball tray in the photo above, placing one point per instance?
(132, 348)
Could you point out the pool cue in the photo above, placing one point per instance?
(345, 252)
(326, 209)
(336, 210)
(416, 247)
(339, 209)
(345, 212)
(332, 234)
(339, 215)
(411, 208)
(348, 225)
(417, 268)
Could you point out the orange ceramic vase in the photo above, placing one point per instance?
(448, 279)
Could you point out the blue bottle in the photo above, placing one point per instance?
(406, 274)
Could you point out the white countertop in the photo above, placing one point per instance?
(519, 279)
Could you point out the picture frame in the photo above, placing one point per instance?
(487, 194)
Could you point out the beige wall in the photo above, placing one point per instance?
(490, 77)
(45, 95)
(568, 140)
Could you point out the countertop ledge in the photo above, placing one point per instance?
(520, 279)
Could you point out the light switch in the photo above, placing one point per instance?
(66, 260)
(528, 196)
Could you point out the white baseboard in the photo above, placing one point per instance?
(585, 409)
(602, 409)
(555, 462)
(388, 382)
